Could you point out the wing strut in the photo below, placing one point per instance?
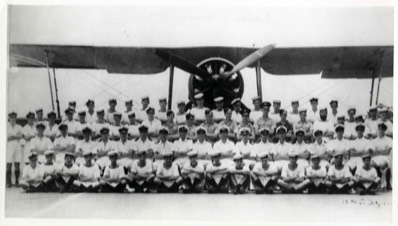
(171, 78)
(258, 79)
(56, 93)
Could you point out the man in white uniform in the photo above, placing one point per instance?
(217, 174)
(63, 144)
(14, 149)
(239, 175)
(168, 179)
(264, 175)
(218, 113)
(32, 175)
(193, 174)
(199, 110)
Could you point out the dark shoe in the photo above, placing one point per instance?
(362, 193)
(371, 193)
(8, 185)
(258, 192)
(269, 192)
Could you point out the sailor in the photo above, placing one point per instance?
(313, 113)
(340, 178)
(382, 156)
(350, 124)
(171, 125)
(202, 147)
(129, 109)
(280, 150)
(217, 174)
(245, 148)
(167, 178)
(110, 111)
(193, 174)
(275, 114)
(199, 110)
(182, 146)
(29, 132)
(125, 149)
(14, 150)
(284, 122)
(67, 172)
(40, 143)
(358, 147)
(293, 176)
(81, 124)
(324, 124)
(114, 129)
(332, 116)
(63, 144)
(99, 124)
(372, 122)
(50, 172)
(153, 124)
(263, 146)
(190, 119)
(89, 175)
(104, 146)
(114, 178)
(226, 147)
(265, 120)
(72, 105)
(264, 175)
(383, 118)
(142, 114)
(141, 174)
(133, 125)
(256, 113)
(162, 147)
(72, 124)
(302, 149)
(144, 143)
(316, 174)
(339, 144)
(340, 119)
(85, 145)
(294, 116)
(212, 128)
(236, 113)
(304, 125)
(32, 175)
(366, 177)
(227, 121)
(245, 123)
(239, 174)
(181, 113)
(51, 127)
(320, 148)
(162, 112)
(218, 113)
(40, 117)
(91, 116)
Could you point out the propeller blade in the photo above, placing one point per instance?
(249, 60)
(182, 64)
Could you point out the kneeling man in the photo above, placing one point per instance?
(239, 175)
(168, 178)
(114, 179)
(217, 174)
(264, 175)
(32, 175)
(193, 174)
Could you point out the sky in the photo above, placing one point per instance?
(28, 88)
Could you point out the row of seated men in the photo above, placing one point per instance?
(194, 176)
(380, 147)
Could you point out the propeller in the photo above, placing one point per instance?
(183, 64)
(249, 60)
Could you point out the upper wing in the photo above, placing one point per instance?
(334, 62)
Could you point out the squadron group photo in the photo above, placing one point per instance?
(112, 111)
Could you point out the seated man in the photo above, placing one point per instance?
(293, 176)
(114, 179)
(49, 170)
(239, 175)
(316, 174)
(245, 148)
(264, 175)
(339, 178)
(217, 174)
(182, 146)
(141, 174)
(67, 173)
(193, 174)
(167, 176)
(89, 175)
(366, 177)
(32, 175)
(226, 147)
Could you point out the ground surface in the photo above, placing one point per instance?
(215, 207)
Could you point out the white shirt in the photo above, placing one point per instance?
(49, 169)
(114, 173)
(170, 172)
(83, 146)
(74, 169)
(125, 148)
(153, 126)
(114, 130)
(64, 142)
(349, 129)
(92, 174)
(236, 117)
(319, 173)
(272, 169)
(293, 118)
(301, 149)
(381, 145)
(262, 147)
(296, 173)
(313, 116)
(320, 149)
(14, 131)
(140, 145)
(194, 171)
(244, 149)
(360, 146)
(91, 119)
(41, 145)
(218, 115)
(372, 125)
(281, 151)
(105, 147)
(275, 116)
(96, 127)
(162, 116)
(73, 126)
(224, 148)
(340, 146)
(183, 146)
(133, 130)
(29, 131)
(33, 174)
(339, 174)
(145, 171)
(199, 113)
(53, 131)
(204, 148)
(163, 148)
(180, 119)
(324, 126)
(255, 115)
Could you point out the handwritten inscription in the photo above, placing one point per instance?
(366, 202)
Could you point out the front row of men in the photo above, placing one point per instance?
(217, 176)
